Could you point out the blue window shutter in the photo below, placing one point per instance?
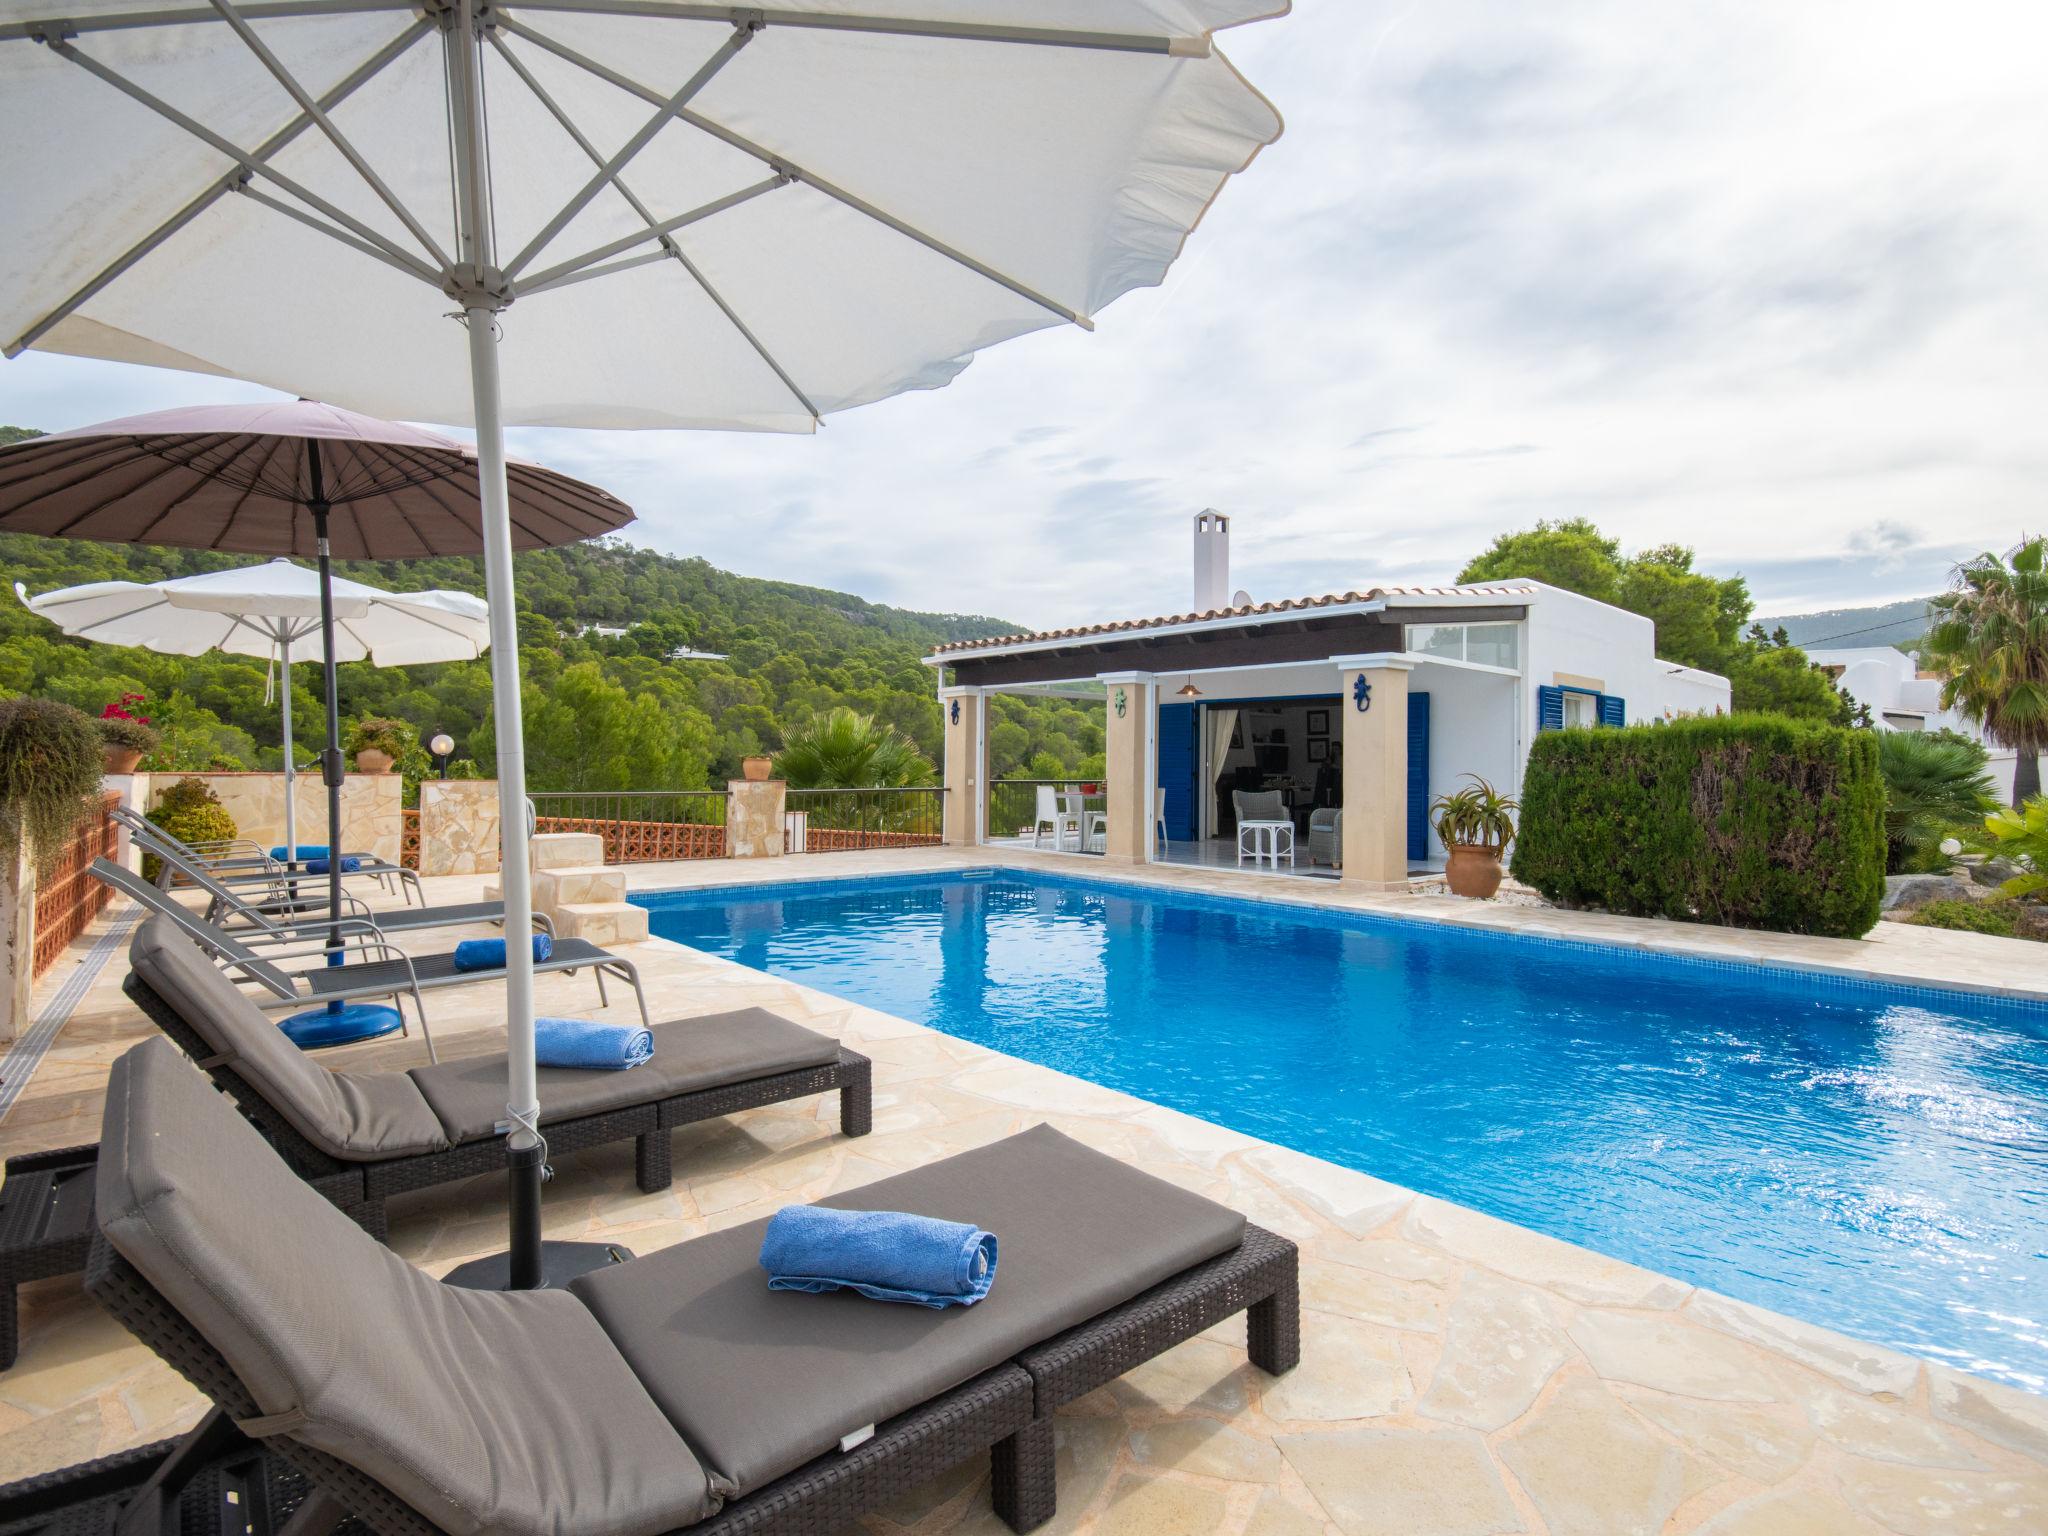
(1418, 777)
(1613, 711)
(1549, 709)
(1177, 769)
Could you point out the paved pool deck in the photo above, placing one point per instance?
(1459, 1374)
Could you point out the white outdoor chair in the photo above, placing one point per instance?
(1159, 818)
(1054, 814)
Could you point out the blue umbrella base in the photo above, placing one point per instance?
(341, 1026)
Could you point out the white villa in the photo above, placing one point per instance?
(1371, 702)
(1901, 697)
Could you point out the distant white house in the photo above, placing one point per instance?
(1375, 700)
(1901, 697)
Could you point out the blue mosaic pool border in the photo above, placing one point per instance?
(1819, 977)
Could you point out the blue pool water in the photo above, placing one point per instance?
(1871, 1158)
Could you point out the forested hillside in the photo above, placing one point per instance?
(602, 713)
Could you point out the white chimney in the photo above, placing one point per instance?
(1212, 560)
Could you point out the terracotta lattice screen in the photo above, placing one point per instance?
(67, 895)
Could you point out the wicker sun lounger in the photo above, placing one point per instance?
(671, 1393)
(241, 860)
(362, 1137)
(284, 916)
(254, 957)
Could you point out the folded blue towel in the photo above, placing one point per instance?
(587, 1043)
(884, 1255)
(284, 855)
(349, 865)
(489, 954)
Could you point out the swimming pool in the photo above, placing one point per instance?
(1870, 1157)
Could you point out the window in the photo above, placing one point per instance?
(1581, 711)
(1900, 722)
(1486, 645)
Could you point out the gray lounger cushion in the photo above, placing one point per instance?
(356, 1116)
(689, 1054)
(508, 1413)
(759, 1381)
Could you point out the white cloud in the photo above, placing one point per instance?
(1762, 279)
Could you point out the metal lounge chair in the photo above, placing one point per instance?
(361, 1137)
(671, 1393)
(397, 975)
(286, 916)
(241, 861)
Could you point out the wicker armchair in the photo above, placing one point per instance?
(1326, 837)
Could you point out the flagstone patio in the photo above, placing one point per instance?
(1459, 1375)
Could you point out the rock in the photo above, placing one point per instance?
(1994, 872)
(1904, 892)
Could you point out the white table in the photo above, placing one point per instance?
(1265, 841)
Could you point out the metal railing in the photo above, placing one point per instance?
(67, 895)
(639, 826)
(841, 820)
(1013, 803)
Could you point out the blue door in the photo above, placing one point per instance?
(1177, 759)
(1418, 777)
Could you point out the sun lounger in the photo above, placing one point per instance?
(287, 916)
(239, 860)
(255, 957)
(674, 1392)
(362, 1137)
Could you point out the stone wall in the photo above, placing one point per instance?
(459, 827)
(753, 819)
(370, 807)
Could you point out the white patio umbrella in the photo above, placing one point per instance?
(647, 213)
(264, 610)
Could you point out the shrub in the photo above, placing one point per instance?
(192, 813)
(127, 733)
(1964, 915)
(50, 767)
(1755, 821)
(374, 734)
(1934, 782)
(2019, 833)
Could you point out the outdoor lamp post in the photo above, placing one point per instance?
(441, 746)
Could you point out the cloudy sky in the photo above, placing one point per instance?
(1768, 279)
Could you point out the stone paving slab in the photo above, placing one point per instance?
(1460, 1375)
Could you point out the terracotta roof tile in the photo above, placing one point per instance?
(1247, 611)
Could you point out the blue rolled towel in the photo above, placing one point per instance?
(284, 854)
(884, 1255)
(489, 954)
(349, 865)
(591, 1045)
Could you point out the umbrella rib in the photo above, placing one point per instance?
(161, 602)
(255, 480)
(313, 109)
(962, 31)
(431, 486)
(264, 10)
(787, 167)
(249, 162)
(727, 52)
(169, 467)
(242, 187)
(668, 245)
(345, 88)
(575, 267)
(205, 478)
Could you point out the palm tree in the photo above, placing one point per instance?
(1990, 643)
(1934, 784)
(843, 750)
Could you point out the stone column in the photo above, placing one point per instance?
(753, 818)
(458, 827)
(966, 766)
(1127, 783)
(17, 941)
(1374, 702)
(133, 788)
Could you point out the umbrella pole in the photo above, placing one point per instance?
(528, 1263)
(291, 820)
(330, 755)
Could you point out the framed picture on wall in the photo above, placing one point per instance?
(1319, 749)
(1318, 725)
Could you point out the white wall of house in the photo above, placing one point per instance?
(1472, 729)
(1573, 641)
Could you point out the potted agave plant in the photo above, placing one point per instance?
(125, 737)
(1476, 824)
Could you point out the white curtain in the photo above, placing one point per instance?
(1222, 726)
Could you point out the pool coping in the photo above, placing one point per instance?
(1703, 952)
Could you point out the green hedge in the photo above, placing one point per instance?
(1750, 820)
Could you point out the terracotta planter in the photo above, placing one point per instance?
(1473, 870)
(370, 760)
(757, 769)
(121, 759)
